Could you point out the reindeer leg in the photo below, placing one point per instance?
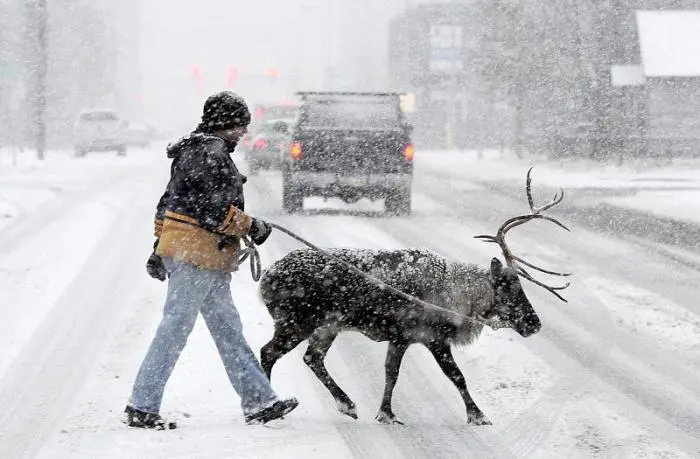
(282, 342)
(443, 355)
(392, 364)
(319, 343)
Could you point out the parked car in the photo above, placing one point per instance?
(351, 146)
(245, 143)
(98, 130)
(267, 146)
(262, 114)
(265, 112)
(138, 134)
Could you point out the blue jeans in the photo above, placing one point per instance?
(192, 290)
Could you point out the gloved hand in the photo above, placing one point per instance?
(259, 231)
(156, 267)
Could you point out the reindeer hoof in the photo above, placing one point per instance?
(388, 418)
(478, 419)
(347, 409)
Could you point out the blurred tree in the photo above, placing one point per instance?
(545, 60)
(37, 39)
(511, 55)
(549, 62)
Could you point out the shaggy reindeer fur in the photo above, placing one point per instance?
(312, 297)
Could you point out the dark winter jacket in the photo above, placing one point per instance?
(202, 205)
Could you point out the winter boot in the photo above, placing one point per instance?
(144, 420)
(272, 412)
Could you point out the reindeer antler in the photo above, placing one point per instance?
(516, 262)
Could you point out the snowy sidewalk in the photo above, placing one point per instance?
(26, 182)
(659, 188)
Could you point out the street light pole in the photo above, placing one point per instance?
(39, 19)
(41, 75)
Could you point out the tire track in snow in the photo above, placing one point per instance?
(41, 383)
(36, 219)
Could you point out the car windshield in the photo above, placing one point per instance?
(351, 112)
(99, 116)
(275, 127)
(279, 111)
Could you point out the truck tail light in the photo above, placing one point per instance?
(296, 151)
(408, 152)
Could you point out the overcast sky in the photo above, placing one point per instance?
(307, 41)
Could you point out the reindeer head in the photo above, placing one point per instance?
(511, 307)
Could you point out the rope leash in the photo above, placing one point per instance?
(252, 252)
(255, 271)
(249, 251)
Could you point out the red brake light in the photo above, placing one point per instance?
(260, 144)
(295, 150)
(408, 152)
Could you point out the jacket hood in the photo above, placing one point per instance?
(200, 141)
(195, 140)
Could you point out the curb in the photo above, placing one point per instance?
(618, 220)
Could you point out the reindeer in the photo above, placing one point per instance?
(312, 296)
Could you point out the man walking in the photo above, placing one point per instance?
(199, 223)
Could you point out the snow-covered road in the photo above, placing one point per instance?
(613, 373)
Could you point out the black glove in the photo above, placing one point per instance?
(259, 231)
(156, 267)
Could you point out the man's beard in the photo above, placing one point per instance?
(231, 145)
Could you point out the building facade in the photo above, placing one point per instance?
(431, 51)
(537, 76)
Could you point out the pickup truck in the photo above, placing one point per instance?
(349, 145)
